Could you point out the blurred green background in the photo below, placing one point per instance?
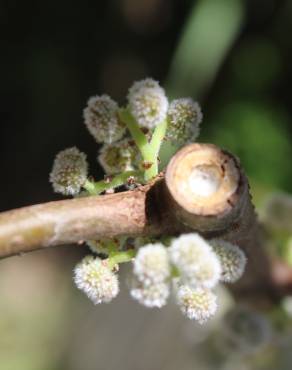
(233, 56)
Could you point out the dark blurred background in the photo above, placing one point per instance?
(234, 56)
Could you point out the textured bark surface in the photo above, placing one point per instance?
(166, 206)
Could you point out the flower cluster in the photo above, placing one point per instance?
(94, 277)
(119, 157)
(195, 260)
(69, 172)
(102, 121)
(130, 139)
(199, 271)
(184, 117)
(148, 103)
(190, 264)
(151, 269)
(232, 260)
(198, 304)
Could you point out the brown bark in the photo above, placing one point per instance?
(170, 204)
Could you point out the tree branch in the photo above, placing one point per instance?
(204, 189)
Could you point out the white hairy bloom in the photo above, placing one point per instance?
(69, 171)
(119, 157)
(197, 304)
(101, 119)
(183, 117)
(148, 103)
(195, 260)
(153, 295)
(96, 280)
(232, 260)
(151, 264)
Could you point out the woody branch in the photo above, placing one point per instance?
(203, 189)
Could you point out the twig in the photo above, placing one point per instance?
(204, 189)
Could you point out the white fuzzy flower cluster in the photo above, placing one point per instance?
(199, 271)
(119, 157)
(148, 103)
(197, 303)
(102, 121)
(195, 260)
(152, 295)
(232, 260)
(151, 264)
(150, 284)
(193, 267)
(183, 118)
(69, 171)
(96, 280)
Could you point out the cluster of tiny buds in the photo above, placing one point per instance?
(94, 277)
(148, 103)
(118, 129)
(102, 121)
(189, 263)
(151, 269)
(69, 172)
(197, 303)
(183, 121)
(194, 266)
(119, 157)
(232, 260)
(195, 260)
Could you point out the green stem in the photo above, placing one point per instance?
(95, 188)
(148, 150)
(155, 144)
(138, 136)
(175, 272)
(120, 257)
(89, 186)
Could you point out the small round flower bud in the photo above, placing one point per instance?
(232, 260)
(153, 295)
(183, 117)
(101, 119)
(148, 103)
(119, 157)
(96, 280)
(195, 260)
(197, 304)
(69, 171)
(151, 264)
